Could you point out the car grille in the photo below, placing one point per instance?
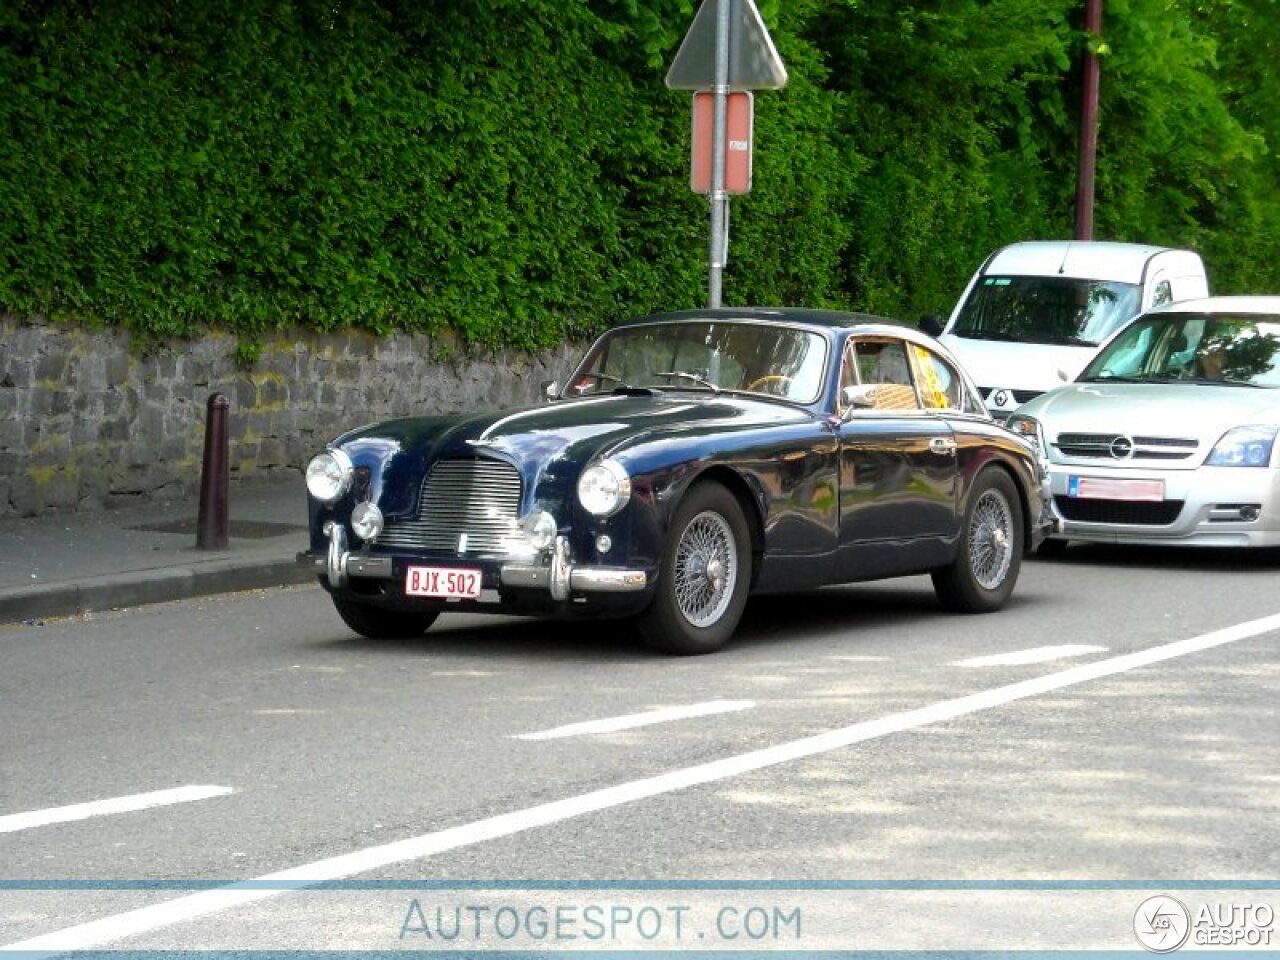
(1138, 513)
(475, 499)
(1098, 446)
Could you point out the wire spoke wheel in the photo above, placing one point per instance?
(706, 569)
(988, 557)
(991, 539)
(704, 576)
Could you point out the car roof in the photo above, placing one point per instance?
(1262, 305)
(806, 316)
(1092, 260)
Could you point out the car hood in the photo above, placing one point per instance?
(1153, 409)
(1017, 366)
(552, 441)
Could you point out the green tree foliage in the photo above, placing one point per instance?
(514, 170)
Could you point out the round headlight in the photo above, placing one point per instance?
(329, 475)
(604, 488)
(540, 527)
(366, 521)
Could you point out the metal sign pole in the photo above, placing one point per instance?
(719, 246)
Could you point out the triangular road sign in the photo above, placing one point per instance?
(754, 63)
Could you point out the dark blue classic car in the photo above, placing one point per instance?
(691, 459)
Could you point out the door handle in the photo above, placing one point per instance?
(943, 445)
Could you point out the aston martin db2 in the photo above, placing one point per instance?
(689, 460)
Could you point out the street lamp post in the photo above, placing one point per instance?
(1087, 165)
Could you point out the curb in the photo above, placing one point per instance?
(95, 594)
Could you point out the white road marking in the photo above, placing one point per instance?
(99, 808)
(633, 720)
(1018, 658)
(95, 933)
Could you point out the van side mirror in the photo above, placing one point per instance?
(549, 389)
(1062, 375)
(932, 324)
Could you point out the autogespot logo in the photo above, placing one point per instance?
(1161, 924)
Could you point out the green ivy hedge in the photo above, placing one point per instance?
(514, 171)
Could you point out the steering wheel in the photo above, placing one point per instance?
(770, 378)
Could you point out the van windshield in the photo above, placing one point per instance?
(1065, 310)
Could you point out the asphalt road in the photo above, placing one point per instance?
(853, 736)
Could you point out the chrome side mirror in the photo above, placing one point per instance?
(859, 396)
(550, 388)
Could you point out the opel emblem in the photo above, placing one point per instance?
(1122, 448)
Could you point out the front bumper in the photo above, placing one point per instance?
(559, 576)
(1210, 516)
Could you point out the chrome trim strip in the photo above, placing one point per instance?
(607, 580)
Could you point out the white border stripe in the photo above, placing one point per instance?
(157, 916)
(1019, 658)
(100, 808)
(633, 720)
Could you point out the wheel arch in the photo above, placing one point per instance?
(1024, 499)
(748, 502)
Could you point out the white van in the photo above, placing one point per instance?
(1035, 313)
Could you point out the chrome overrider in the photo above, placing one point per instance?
(560, 576)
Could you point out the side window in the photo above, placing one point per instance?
(941, 388)
(884, 363)
(1163, 294)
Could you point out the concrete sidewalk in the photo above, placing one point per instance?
(79, 562)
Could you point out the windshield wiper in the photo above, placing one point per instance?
(701, 381)
(989, 335)
(601, 378)
(1223, 382)
(1063, 340)
(1109, 378)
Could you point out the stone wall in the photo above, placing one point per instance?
(86, 422)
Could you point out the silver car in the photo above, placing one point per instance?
(1169, 435)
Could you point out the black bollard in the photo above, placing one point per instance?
(211, 527)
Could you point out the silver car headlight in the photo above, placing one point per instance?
(329, 475)
(1028, 428)
(1244, 447)
(604, 488)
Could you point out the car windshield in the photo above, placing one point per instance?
(771, 360)
(1058, 310)
(1193, 347)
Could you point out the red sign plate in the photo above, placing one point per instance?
(1108, 488)
(451, 583)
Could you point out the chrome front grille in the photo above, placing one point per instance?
(466, 506)
(1103, 446)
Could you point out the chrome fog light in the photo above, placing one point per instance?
(329, 475)
(541, 529)
(366, 521)
(604, 543)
